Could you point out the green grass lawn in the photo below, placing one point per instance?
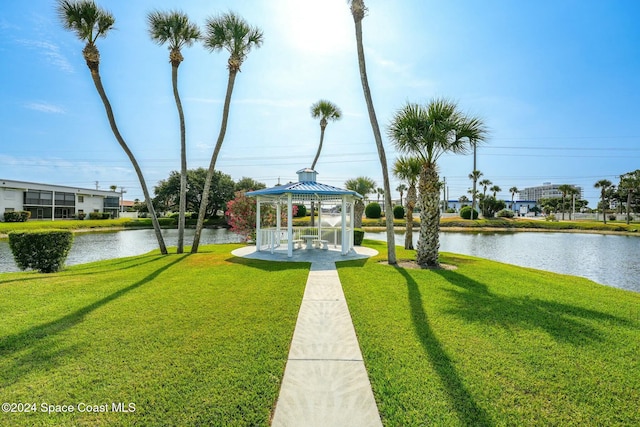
(189, 339)
(494, 344)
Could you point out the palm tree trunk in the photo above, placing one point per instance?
(212, 164)
(429, 242)
(358, 211)
(97, 81)
(411, 203)
(604, 211)
(391, 248)
(629, 192)
(183, 161)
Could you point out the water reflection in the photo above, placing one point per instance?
(89, 247)
(608, 259)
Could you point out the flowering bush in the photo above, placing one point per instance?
(241, 215)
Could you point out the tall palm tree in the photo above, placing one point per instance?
(91, 22)
(427, 133)
(573, 192)
(325, 111)
(630, 184)
(474, 176)
(358, 11)
(513, 190)
(485, 183)
(408, 169)
(495, 190)
(362, 185)
(564, 189)
(603, 185)
(231, 33)
(175, 28)
(401, 188)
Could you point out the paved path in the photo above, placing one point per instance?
(325, 382)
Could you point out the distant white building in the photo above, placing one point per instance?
(52, 202)
(545, 191)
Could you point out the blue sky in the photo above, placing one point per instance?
(556, 82)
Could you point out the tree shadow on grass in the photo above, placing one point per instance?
(564, 322)
(467, 409)
(42, 353)
(269, 265)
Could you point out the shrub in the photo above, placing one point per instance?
(82, 216)
(17, 216)
(44, 251)
(505, 213)
(99, 215)
(398, 212)
(611, 217)
(302, 211)
(466, 212)
(451, 210)
(358, 236)
(550, 217)
(373, 210)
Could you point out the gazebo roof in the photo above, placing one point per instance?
(306, 185)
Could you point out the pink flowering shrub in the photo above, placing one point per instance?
(241, 215)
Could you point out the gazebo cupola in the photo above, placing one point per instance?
(306, 191)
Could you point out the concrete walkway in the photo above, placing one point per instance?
(325, 382)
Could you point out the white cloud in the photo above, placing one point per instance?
(45, 107)
(50, 51)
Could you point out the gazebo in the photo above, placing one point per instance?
(337, 229)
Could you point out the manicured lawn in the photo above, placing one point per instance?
(493, 344)
(189, 339)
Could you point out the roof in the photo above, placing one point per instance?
(304, 187)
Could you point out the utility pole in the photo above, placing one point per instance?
(122, 191)
(97, 186)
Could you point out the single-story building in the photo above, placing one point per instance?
(52, 202)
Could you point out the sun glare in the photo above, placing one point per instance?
(319, 26)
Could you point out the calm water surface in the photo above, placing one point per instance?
(88, 247)
(608, 259)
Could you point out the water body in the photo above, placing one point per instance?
(89, 247)
(612, 260)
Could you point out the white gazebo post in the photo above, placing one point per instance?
(319, 217)
(258, 233)
(289, 225)
(345, 240)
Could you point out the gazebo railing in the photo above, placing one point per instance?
(272, 239)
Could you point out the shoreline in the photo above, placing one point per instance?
(457, 229)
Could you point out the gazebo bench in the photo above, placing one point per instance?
(297, 243)
(321, 243)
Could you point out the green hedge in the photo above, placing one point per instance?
(358, 236)
(17, 216)
(44, 251)
(466, 212)
(373, 210)
(398, 212)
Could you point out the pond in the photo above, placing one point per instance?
(88, 247)
(612, 260)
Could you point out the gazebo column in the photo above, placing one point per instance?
(289, 225)
(351, 221)
(258, 234)
(276, 237)
(345, 245)
(319, 218)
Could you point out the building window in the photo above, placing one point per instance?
(65, 199)
(35, 197)
(80, 199)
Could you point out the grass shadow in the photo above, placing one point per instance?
(564, 322)
(468, 411)
(42, 352)
(269, 265)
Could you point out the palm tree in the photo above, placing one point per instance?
(362, 185)
(495, 189)
(564, 189)
(380, 192)
(358, 11)
(427, 133)
(325, 111)
(176, 29)
(91, 22)
(232, 33)
(630, 184)
(513, 191)
(408, 169)
(474, 176)
(603, 185)
(485, 183)
(401, 188)
(573, 192)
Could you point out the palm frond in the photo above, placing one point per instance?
(85, 18)
(231, 32)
